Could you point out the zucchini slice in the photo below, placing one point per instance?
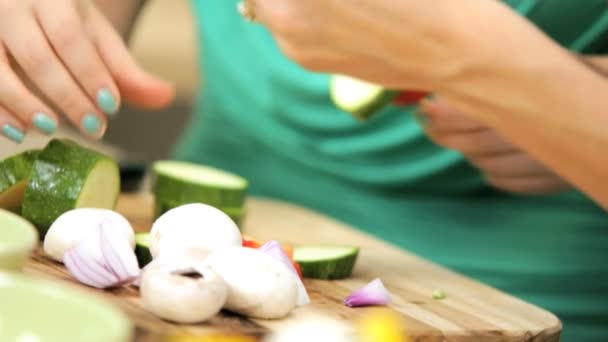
(142, 249)
(67, 176)
(359, 98)
(178, 183)
(326, 262)
(14, 173)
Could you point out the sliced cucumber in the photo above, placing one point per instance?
(142, 249)
(360, 98)
(326, 262)
(14, 173)
(67, 176)
(178, 183)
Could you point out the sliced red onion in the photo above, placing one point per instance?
(103, 259)
(118, 254)
(373, 293)
(274, 249)
(81, 273)
(90, 270)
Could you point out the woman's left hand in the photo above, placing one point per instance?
(505, 166)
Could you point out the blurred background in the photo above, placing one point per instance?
(163, 42)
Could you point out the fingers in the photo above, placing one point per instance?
(36, 57)
(444, 118)
(504, 166)
(513, 164)
(65, 31)
(11, 128)
(135, 85)
(528, 185)
(451, 129)
(17, 100)
(472, 144)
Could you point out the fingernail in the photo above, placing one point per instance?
(44, 123)
(106, 101)
(421, 118)
(13, 133)
(91, 124)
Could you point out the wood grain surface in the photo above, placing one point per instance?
(471, 311)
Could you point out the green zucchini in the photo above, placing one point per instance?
(326, 262)
(14, 173)
(66, 176)
(359, 98)
(142, 249)
(161, 207)
(178, 183)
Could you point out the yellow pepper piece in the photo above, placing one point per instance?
(211, 338)
(382, 326)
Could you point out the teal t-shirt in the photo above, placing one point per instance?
(262, 116)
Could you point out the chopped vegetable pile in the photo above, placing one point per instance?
(193, 262)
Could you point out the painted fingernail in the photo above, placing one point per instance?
(13, 133)
(106, 101)
(44, 123)
(91, 124)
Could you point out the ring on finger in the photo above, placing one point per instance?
(247, 10)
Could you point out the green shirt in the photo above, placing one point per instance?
(264, 117)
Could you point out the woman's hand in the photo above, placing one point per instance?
(409, 44)
(505, 166)
(63, 56)
(478, 55)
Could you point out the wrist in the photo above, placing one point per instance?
(513, 78)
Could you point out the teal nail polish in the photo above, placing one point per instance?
(13, 133)
(44, 123)
(106, 101)
(91, 124)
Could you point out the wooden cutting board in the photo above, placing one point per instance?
(471, 311)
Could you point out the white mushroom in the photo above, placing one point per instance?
(74, 225)
(193, 229)
(259, 285)
(182, 294)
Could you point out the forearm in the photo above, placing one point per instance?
(121, 13)
(549, 103)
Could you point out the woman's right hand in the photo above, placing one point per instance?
(63, 56)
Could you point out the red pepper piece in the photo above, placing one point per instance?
(406, 98)
(251, 243)
(288, 250)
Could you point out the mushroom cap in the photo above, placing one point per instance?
(189, 294)
(195, 229)
(259, 285)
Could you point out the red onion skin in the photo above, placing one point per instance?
(374, 293)
(274, 249)
(112, 271)
(111, 246)
(79, 273)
